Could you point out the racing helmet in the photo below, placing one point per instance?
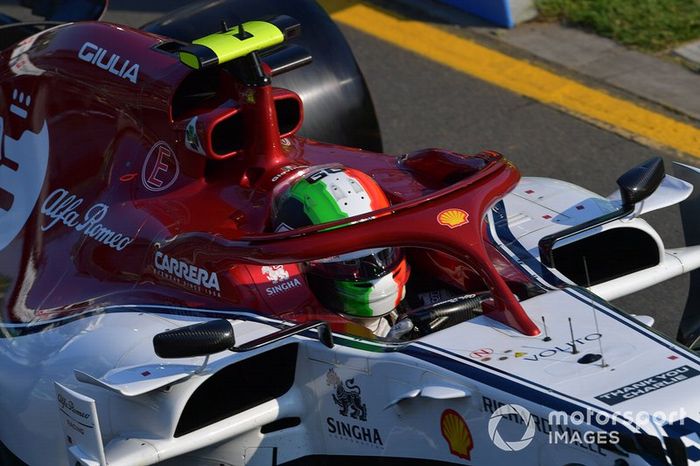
(363, 284)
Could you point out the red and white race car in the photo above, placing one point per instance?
(158, 307)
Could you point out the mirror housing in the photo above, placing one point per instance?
(195, 340)
(212, 337)
(220, 133)
(635, 185)
(641, 181)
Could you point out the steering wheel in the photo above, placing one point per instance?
(446, 313)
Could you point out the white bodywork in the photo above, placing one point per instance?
(93, 392)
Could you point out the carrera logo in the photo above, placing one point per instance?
(182, 272)
(111, 62)
(453, 218)
(161, 168)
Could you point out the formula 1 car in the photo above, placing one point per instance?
(153, 314)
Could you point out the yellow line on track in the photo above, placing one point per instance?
(516, 75)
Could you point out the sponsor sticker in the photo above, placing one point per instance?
(455, 431)
(648, 385)
(453, 218)
(481, 353)
(111, 62)
(275, 273)
(78, 417)
(435, 296)
(566, 348)
(160, 169)
(23, 168)
(283, 171)
(186, 274)
(347, 396)
(279, 278)
(20, 64)
(21, 103)
(63, 207)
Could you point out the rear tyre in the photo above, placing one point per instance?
(339, 114)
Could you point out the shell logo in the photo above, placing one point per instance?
(456, 432)
(453, 218)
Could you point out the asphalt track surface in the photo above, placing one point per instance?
(422, 104)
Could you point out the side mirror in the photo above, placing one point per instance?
(195, 340)
(641, 181)
(635, 185)
(217, 335)
(325, 335)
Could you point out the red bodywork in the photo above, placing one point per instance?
(131, 212)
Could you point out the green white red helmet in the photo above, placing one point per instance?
(368, 283)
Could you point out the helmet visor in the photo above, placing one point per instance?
(368, 264)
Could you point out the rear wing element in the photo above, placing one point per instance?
(238, 41)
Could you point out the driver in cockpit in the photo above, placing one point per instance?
(365, 286)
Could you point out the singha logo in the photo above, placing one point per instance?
(275, 273)
(347, 396)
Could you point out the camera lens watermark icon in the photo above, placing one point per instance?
(506, 411)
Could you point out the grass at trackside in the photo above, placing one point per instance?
(651, 25)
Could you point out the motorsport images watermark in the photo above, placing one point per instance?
(561, 427)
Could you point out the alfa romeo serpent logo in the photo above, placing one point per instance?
(505, 411)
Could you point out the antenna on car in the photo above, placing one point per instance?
(573, 341)
(595, 315)
(546, 335)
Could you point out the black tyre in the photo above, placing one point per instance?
(333, 113)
